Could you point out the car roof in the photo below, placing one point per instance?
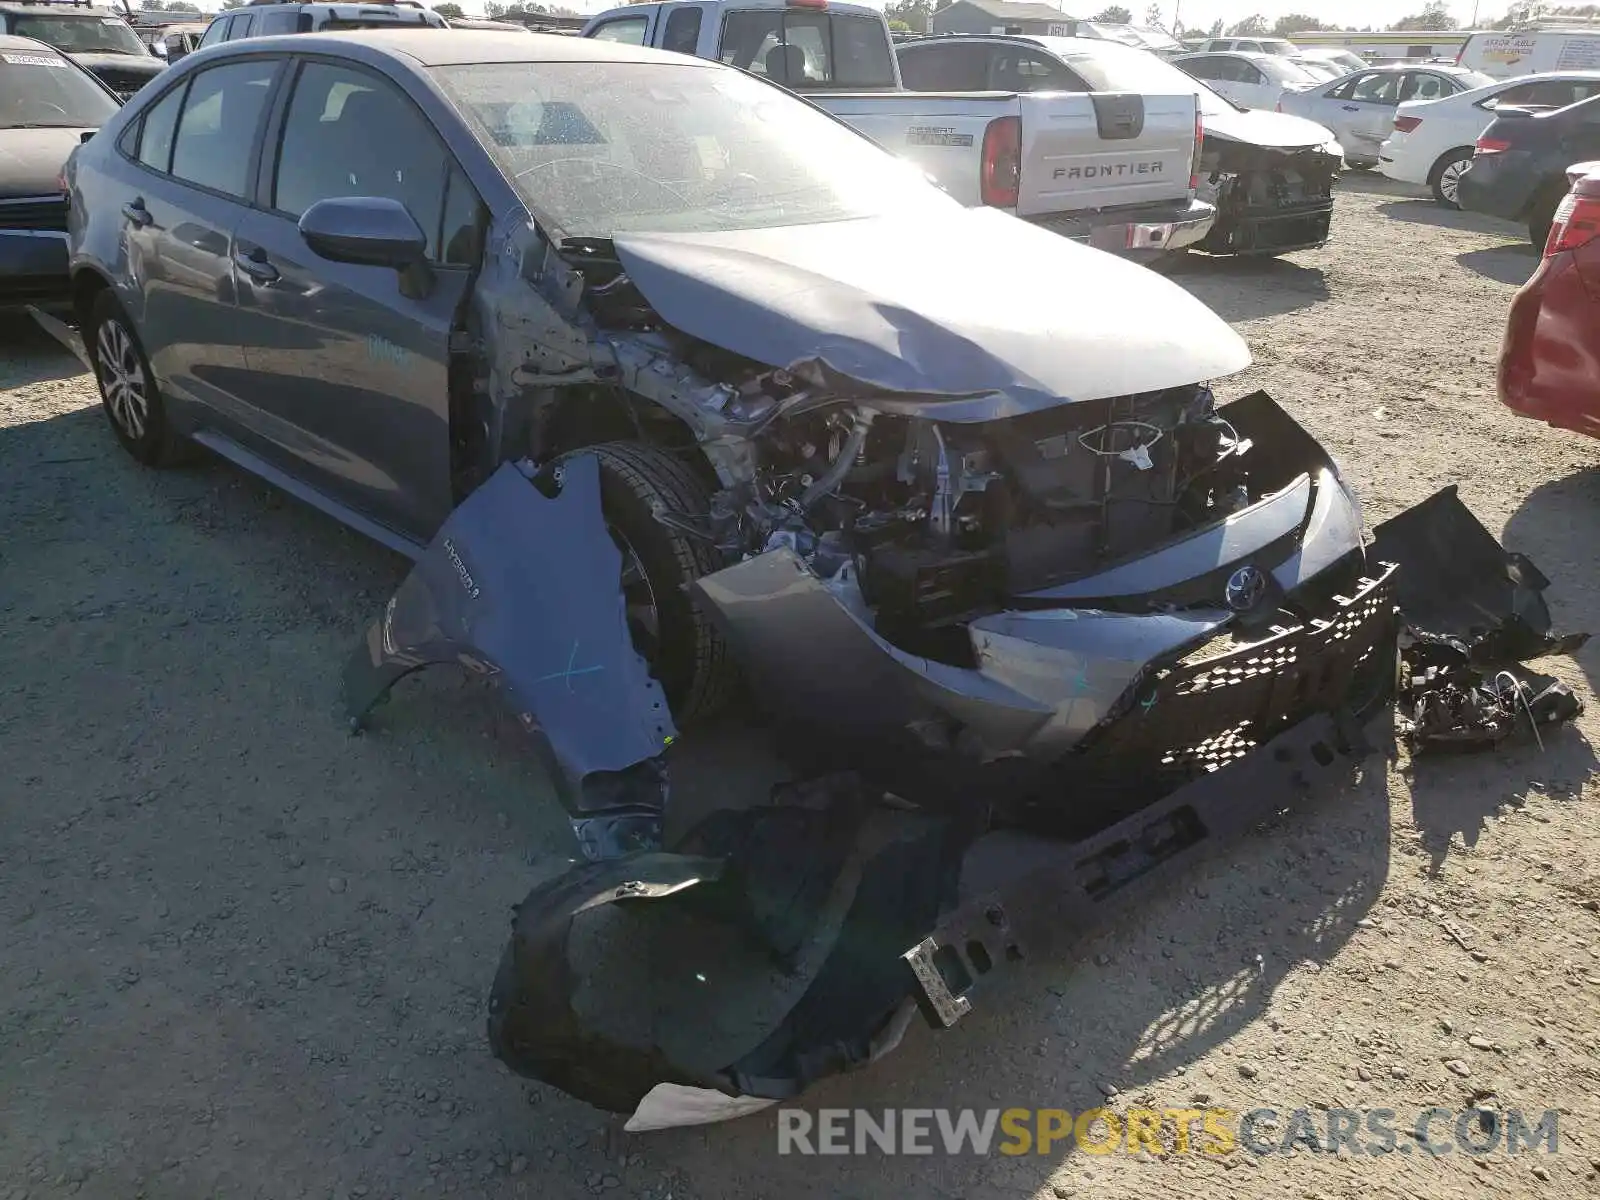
(431, 47)
(59, 10)
(1248, 55)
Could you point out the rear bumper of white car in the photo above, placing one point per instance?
(1395, 161)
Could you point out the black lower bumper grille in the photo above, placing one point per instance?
(46, 214)
(1184, 720)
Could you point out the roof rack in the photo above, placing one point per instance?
(64, 3)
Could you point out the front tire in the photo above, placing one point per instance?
(1542, 213)
(1447, 175)
(128, 391)
(686, 652)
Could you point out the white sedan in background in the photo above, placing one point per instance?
(1253, 80)
(1431, 142)
(1360, 107)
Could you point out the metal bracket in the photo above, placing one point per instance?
(964, 948)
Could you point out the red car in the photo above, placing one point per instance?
(1550, 360)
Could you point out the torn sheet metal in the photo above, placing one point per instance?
(844, 293)
(525, 588)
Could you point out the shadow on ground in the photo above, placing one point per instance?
(1458, 795)
(30, 354)
(1506, 264)
(1242, 289)
(1426, 212)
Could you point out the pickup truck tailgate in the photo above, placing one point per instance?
(1103, 150)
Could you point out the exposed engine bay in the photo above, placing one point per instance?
(1268, 200)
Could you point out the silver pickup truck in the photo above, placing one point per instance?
(1116, 170)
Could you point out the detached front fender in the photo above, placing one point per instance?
(526, 589)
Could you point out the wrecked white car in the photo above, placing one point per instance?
(672, 384)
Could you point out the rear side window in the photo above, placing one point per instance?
(629, 30)
(944, 68)
(155, 134)
(217, 131)
(683, 31)
(278, 21)
(808, 48)
(348, 133)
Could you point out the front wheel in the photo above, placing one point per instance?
(1447, 177)
(686, 652)
(1542, 213)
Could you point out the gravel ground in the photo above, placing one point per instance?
(246, 955)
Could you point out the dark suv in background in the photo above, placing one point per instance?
(97, 39)
(1519, 166)
(262, 18)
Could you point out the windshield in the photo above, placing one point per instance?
(80, 35)
(1474, 79)
(40, 90)
(1278, 46)
(1109, 67)
(598, 148)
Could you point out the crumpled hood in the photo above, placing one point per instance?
(959, 302)
(31, 160)
(1260, 127)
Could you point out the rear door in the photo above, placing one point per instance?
(347, 365)
(1362, 111)
(189, 170)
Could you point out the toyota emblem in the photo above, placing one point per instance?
(1246, 587)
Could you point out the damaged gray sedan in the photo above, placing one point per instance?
(675, 386)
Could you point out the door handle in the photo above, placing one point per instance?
(254, 263)
(137, 213)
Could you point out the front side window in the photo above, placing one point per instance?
(216, 135)
(215, 31)
(808, 48)
(602, 148)
(348, 133)
(244, 25)
(629, 30)
(80, 34)
(40, 90)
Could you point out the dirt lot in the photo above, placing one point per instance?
(246, 955)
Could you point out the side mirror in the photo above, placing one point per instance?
(373, 231)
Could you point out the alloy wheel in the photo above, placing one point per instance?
(122, 382)
(1450, 179)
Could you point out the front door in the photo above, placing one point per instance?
(348, 365)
